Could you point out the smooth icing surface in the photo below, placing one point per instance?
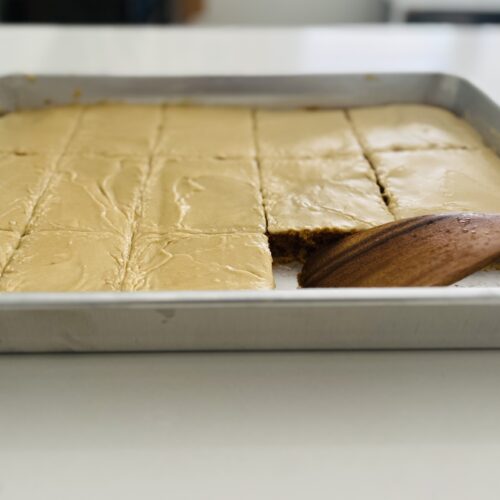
(338, 195)
(207, 132)
(203, 196)
(45, 131)
(22, 179)
(400, 127)
(117, 129)
(304, 134)
(200, 262)
(425, 182)
(8, 242)
(58, 261)
(92, 194)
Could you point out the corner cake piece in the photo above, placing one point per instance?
(310, 201)
(425, 182)
(409, 126)
(8, 242)
(66, 261)
(203, 196)
(304, 134)
(90, 193)
(207, 132)
(23, 179)
(117, 129)
(200, 262)
(38, 131)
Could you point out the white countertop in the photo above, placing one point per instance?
(246, 426)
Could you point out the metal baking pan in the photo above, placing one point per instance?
(466, 316)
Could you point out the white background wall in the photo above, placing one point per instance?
(279, 12)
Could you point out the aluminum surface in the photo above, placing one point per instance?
(450, 317)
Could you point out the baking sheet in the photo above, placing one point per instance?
(466, 315)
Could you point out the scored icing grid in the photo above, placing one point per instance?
(131, 235)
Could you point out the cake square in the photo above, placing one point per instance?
(338, 195)
(304, 133)
(66, 261)
(8, 242)
(117, 129)
(207, 132)
(91, 193)
(203, 196)
(38, 131)
(200, 262)
(408, 127)
(23, 179)
(427, 182)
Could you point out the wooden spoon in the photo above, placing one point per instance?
(431, 250)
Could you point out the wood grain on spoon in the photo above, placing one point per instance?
(431, 250)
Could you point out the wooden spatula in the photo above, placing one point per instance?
(431, 250)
